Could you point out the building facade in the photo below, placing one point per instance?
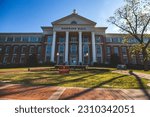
(73, 40)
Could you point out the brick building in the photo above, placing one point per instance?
(72, 40)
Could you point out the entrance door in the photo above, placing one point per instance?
(73, 54)
(73, 60)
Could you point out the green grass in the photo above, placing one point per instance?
(12, 69)
(21, 69)
(93, 78)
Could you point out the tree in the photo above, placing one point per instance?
(134, 19)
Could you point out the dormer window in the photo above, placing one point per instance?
(73, 22)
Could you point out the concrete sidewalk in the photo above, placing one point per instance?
(126, 72)
(20, 92)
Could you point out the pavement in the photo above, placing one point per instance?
(126, 72)
(21, 92)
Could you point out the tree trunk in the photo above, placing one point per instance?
(145, 60)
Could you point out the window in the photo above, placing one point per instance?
(39, 39)
(73, 39)
(61, 49)
(47, 58)
(125, 59)
(141, 59)
(85, 39)
(132, 40)
(61, 60)
(5, 60)
(9, 39)
(107, 59)
(13, 61)
(85, 49)
(73, 22)
(48, 50)
(22, 59)
(39, 49)
(116, 50)
(98, 50)
(2, 39)
(146, 40)
(23, 50)
(133, 60)
(25, 39)
(98, 39)
(32, 50)
(39, 57)
(33, 39)
(15, 49)
(7, 49)
(61, 40)
(86, 59)
(74, 49)
(108, 51)
(120, 40)
(17, 39)
(98, 59)
(124, 51)
(117, 40)
(109, 39)
(98, 53)
(49, 39)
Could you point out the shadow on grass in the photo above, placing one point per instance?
(92, 88)
(5, 93)
(59, 80)
(56, 79)
(141, 84)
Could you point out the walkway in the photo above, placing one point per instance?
(17, 91)
(126, 72)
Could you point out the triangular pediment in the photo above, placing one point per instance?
(74, 19)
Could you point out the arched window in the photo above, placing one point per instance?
(73, 22)
(15, 49)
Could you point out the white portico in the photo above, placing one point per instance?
(75, 40)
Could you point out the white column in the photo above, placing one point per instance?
(80, 47)
(93, 47)
(66, 47)
(53, 47)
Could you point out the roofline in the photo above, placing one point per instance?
(122, 34)
(19, 33)
(46, 27)
(101, 27)
(72, 15)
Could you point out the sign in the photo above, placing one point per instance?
(73, 28)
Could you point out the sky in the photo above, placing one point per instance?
(30, 15)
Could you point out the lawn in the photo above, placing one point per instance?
(92, 78)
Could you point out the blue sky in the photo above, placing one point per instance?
(29, 15)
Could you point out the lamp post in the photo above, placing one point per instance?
(57, 57)
(86, 58)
